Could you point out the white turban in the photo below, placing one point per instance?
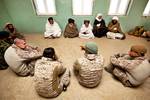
(99, 14)
(115, 18)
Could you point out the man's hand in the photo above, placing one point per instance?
(117, 55)
(38, 49)
(82, 48)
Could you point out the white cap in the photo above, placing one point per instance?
(99, 14)
(115, 18)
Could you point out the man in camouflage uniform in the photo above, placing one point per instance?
(131, 69)
(21, 57)
(51, 77)
(4, 44)
(89, 68)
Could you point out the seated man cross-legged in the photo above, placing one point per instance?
(51, 78)
(131, 69)
(21, 57)
(89, 68)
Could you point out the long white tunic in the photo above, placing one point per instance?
(52, 30)
(88, 30)
(112, 35)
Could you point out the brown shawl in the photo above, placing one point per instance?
(111, 27)
(71, 32)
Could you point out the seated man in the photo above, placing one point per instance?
(99, 27)
(13, 32)
(114, 29)
(131, 69)
(137, 31)
(89, 68)
(86, 30)
(21, 57)
(71, 30)
(4, 44)
(51, 78)
(146, 34)
(52, 29)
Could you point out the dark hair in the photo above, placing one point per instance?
(86, 21)
(70, 20)
(50, 18)
(49, 53)
(142, 54)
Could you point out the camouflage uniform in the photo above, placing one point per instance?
(3, 46)
(50, 77)
(22, 61)
(130, 71)
(89, 70)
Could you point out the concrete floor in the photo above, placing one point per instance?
(13, 87)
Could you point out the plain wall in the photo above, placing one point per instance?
(22, 14)
(4, 16)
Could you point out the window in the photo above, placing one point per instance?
(82, 7)
(45, 7)
(118, 7)
(147, 9)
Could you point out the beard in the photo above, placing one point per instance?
(114, 22)
(11, 30)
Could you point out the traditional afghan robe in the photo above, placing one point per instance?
(71, 32)
(99, 28)
(115, 31)
(89, 69)
(50, 77)
(13, 33)
(52, 30)
(146, 34)
(86, 32)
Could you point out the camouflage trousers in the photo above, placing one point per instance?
(3, 46)
(122, 76)
(65, 79)
(27, 68)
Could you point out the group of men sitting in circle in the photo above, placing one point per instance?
(99, 29)
(51, 77)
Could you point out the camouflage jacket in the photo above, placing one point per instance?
(137, 69)
(19, 59)
(3, 46)
(89, 70)
(47, 77)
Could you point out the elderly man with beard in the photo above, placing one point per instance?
(114, 29)
(99, 27)
(13, 32)
(21, 57)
